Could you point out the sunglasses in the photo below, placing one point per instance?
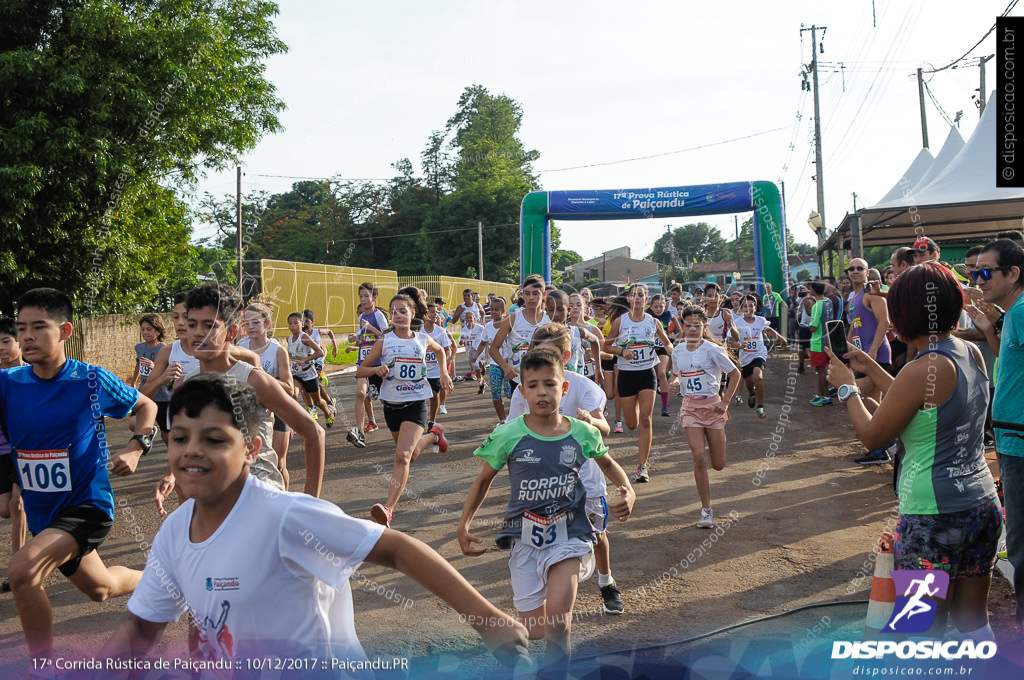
(986, 274)
(855, 269)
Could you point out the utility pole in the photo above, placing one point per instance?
(920, 96)
(238, 212)
(819, 164)
(854, 201)
(982, 93)
(480, 248)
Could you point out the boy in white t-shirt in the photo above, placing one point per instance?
(265, 573)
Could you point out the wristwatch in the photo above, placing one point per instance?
(846, 391)
(145, 439)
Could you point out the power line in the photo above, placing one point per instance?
(326, 179)
(964, 56)
(424, 233)
(667, 153)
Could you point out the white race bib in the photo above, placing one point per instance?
(856, 342)
(641, 354)
(544, 532)
(45, 471)
(363, 353)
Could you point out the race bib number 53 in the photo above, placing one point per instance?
(544, 532)
(45, 471)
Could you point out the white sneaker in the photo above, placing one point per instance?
(707, 518)
(442, 410)
(642, 475)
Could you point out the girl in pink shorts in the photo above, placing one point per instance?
(697, 368)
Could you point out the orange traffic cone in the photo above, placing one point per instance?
(883, 591)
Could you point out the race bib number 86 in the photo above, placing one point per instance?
(45, 471)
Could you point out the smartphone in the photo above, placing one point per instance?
(835, 337)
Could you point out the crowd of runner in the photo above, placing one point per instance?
(927, 358)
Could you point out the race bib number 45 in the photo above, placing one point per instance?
(544, 532)
(45, 471)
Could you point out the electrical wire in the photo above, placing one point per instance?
(935, 101)
(702, 636)
(953, 63)
(667, 153)
(424, 233)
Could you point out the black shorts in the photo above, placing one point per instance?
(608, 365)
(857, 375)
(376, 381)
(748, 370)
(88, 525)
(773, 321)
(280, 425)
(435, 385)
(311, 386)
(661, 351)
(803, 336)
(161, 415)
(398, 412)
(8, 474)
(631, 383)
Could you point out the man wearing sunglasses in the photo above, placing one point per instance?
(999, 276)
(925, 249)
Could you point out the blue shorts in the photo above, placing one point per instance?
(497, 382)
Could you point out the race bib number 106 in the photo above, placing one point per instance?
(45, 471)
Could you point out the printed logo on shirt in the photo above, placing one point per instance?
(214, 584)
(527, 457)
(568, 455)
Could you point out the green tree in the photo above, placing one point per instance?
(492, 173)
(700, 242)
(109, 109)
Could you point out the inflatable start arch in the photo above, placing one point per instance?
(540, 207)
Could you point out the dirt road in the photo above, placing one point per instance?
(796, 523)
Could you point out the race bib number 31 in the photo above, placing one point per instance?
(45, 471)
(544, 532)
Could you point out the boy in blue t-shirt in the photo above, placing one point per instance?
(53, 413)
(546, 524)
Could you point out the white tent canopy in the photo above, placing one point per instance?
(961, 202)
(911, 178)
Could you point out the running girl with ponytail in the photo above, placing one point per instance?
(632, 337)
(405, 393)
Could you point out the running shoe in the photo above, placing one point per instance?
(468, 376)
(665, 412)
(312, 412)
(442, 410)
(442, 443)
(480, 390)
(612, 599)
(878, 457)
(500, 423)
(329, 418)
(642, 475)
(618, 426)
(752, 400)
(355, 437)
(800, 368)
(707, 519)
(823, 401)
(1001, 555)
(371, 426)
(760, 412)
(323, 379)
(381, 514)
(738, 400)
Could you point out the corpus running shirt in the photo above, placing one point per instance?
(58, 438)
(582, 394)
(944, 468)
(406, 362)
(700, 371)
(544, 473)
(638, 337)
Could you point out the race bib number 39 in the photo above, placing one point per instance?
(45, 471)
(544, 532)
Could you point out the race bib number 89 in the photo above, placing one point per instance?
(44, 471)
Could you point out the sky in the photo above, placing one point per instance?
(601, 83)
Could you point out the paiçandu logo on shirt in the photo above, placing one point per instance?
(568, 454)
(230, 583)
